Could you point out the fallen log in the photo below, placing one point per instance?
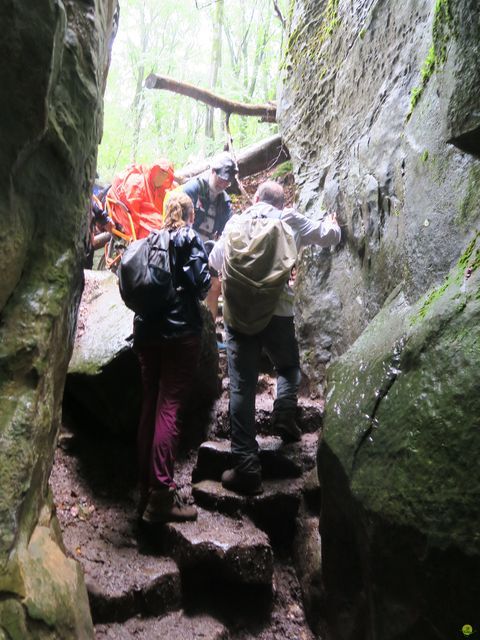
(260, 156)
(266, 112)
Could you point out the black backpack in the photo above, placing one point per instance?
(145, 275)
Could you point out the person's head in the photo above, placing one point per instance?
(223, 171)
(179, 211)
(270, 192)
(161, 174)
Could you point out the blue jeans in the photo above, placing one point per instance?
(243, 352)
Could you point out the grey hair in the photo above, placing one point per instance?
(272, 193)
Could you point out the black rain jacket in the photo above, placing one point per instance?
(191, 277)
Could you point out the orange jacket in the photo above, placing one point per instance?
(134, 189)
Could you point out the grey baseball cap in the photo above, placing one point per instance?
(225, 166)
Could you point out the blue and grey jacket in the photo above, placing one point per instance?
(199, 192)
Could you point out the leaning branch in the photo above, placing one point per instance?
(266, 112)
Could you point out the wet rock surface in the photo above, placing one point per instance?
(363, 146)
(96, 345)
(377, 108)
(233, 548)
(121, 582)
(274, 510)
(53, 74)
(399, 504)
(175, 626)
(233, 563)
(277, 459)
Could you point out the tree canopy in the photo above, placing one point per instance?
(232, 48)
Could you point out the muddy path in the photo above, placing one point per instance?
(136, 577)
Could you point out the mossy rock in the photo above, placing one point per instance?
(400, 448)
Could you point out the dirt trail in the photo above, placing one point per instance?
(129, 572)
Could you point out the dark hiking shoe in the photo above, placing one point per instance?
(142, 501)
(248, 483)
(285, 426)
(165, 505)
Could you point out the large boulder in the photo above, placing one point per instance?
(400, 493)
(54, 62)
(103, 387)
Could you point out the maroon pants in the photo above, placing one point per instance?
(167, 370)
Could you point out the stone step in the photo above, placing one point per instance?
(224, 548)
(277, 459)
(274, 511)
(121, 583)
(309, 413)
(174, 626)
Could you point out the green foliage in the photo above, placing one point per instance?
(283, 169)
(175, 39)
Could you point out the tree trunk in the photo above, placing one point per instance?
(262, 38)
(138, 102)
(216, 62)
(257, 157)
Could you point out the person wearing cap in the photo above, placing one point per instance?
(207, 191)
(213, 209)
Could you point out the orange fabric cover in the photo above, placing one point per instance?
(134, 188)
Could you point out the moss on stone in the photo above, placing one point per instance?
(470, 205)
(442, 28)
(466, 256)
(402, 411)
(468, 260)
(328, 20)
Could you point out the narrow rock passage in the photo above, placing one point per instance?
(232, 574)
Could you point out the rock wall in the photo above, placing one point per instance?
(380, 109)
(54, 60)
(407, 198)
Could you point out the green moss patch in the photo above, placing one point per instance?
(470, 205)
(442, 29)
(328, 22)
(283, 169)
(468, 260)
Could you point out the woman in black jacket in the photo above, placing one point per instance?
(168, 350)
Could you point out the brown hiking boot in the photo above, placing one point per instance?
(165, 505)
(285, 426)
(249, 484)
